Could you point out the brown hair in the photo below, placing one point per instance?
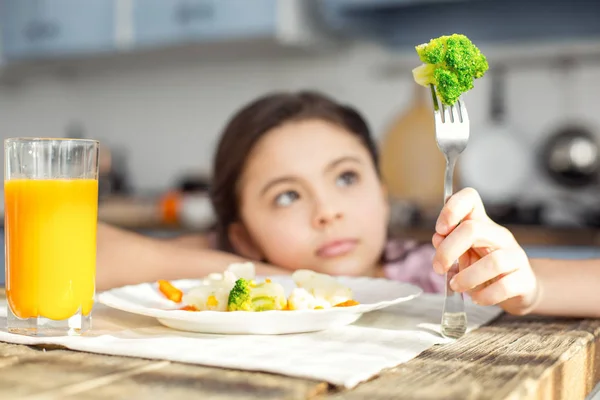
(250, 124)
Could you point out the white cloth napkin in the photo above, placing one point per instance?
(343, 356)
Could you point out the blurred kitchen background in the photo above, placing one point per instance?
(155, 81)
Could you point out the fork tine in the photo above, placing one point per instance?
(437, 113)
(463, 110)
(456, 113)
(458, 110)
(436, 106)
(448, 114)
(438, 117)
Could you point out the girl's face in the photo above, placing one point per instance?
(310, 198)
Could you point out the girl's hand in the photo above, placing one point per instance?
(493, 268)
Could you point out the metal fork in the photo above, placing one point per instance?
(452, 136)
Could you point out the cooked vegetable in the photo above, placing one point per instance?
(326, 290)
(243, 270)
(268, 296)
(212, 294)
(170, 291)
(348, 303)
(239, 297)
(450, 63)
(300, 299)
(236, 290)
(247, 296)
(207, 298)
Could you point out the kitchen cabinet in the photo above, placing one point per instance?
(404, 23)
(33, 29)
(59, 29)
(159, 22)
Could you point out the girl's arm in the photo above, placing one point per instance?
(567, 288)
(128, 258)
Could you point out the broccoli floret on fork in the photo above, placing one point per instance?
(451, 64)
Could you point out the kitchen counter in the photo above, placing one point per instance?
(526, 235)
(145, 215)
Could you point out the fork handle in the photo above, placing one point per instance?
(449, 177)
(454, 318)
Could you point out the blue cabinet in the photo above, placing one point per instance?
(159, 22)
(405, 23)
(364, 18)
(43, 28)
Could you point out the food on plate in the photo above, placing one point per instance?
(212, 294)
(188, 308)
(170, 291)
(250, 296)
(239, 297)
(348, 303)
(326, 290)
(243, 270)
(450, 64)
(236, 289)
(301, 299)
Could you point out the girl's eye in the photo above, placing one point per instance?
(285, 199)
(347, 178)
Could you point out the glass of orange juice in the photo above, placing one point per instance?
(50, 221)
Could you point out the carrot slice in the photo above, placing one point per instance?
(170, 291)
(348, 303)
(188, 308)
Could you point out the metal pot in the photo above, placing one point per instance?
(571, 157)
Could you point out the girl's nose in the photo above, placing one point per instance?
(327, 216)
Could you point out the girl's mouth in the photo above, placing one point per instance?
(336, 248)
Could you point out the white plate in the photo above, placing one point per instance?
(145, 299)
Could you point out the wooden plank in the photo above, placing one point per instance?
(45, 373)
(513, 358)
(181, 381)
(26, 370)
(35, 374)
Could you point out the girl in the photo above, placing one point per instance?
(296, 185)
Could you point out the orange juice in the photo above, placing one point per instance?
(50, 246)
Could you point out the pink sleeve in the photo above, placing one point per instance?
(408, 261)
(211, 237)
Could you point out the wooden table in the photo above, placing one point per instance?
(511, 358)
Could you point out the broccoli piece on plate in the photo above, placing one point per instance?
(239, 297)
(249, 296)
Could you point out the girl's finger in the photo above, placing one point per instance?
(494, 265)
(465, 204)
(517, 283)
(437, 239)
(471, 234)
